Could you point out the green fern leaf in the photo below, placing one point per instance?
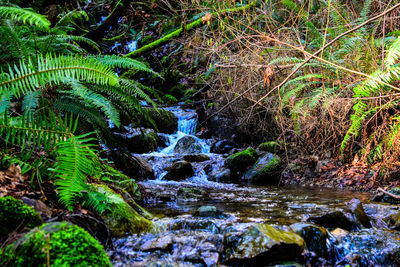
(25, 15)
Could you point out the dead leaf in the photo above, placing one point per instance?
(206, 18)
(268, 75)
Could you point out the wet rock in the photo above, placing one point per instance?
(335, 219)
(159, 243)
(377, 247)
(187, 145)
(191, 193)
(208, 226)
(357, 210)
(241, 160)
(196, 157)
(121, 218)
(393, 221)
(314, 236)
(15, 215)
(260, 245)
(133, 166)
(209, 212)
(139, 140)
(39, 206)
(55, 244)
(162, 140)
(265, 171)
(221, 176)
(165, 120)
(271, 147)
(179, 170)
(339, 234)
(166, 197)
(222, 147)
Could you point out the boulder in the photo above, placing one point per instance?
(209, 212)
(196, 157)
(139, 140)
(241, 160)
(39, 206)
(15, 215)
(314, 236)
(207, 226)
(179, 170)
(187, 145)
(164, 120)
(120, 217)
(133, 166)
(357, 210)
(55, 244)
(271, 147)
(222, 147)
(261, 244)
(163, 242)
(221, 176)
(335, 219)
(265, 171)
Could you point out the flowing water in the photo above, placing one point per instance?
(184, 239)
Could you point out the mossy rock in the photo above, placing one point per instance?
(143, 142)
(165, 120)
(57, 244)
(261, 244)
(265, 171)
(241, 160)
(271, 146)
(14, 213)
(121, 218)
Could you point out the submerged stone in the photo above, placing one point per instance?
(191, 193)
(241, 160)
(179, 170)
(209, 212)
(15, 215)
(55, 244)
(265, 171)
(262, 244)
(314, 236)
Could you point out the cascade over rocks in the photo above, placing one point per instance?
(261, 244)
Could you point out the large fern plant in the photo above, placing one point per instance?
(47, 87)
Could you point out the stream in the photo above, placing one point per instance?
(196, 214)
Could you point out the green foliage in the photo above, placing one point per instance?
(25, 15)
(57, 244)
(15, 214)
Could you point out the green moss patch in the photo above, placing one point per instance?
(57, 244)
(241, 160)
(14, 213)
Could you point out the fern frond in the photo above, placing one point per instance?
(5, 101)
(74, 163)
(94, 100)
(71, 17)
(30, 101)
(25, 15)
(124, 63)
(393, 54)
(52, 70)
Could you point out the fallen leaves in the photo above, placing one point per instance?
(269, 72)
(206, 18)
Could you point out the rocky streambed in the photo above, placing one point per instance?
(212, 207)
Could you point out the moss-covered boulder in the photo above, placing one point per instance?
(260, 245)
(265, 171)
(164, 120)
(241, 160)
(271, 147)
(55, 244)
(121, 218)
(15, 215)
(139, 140)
